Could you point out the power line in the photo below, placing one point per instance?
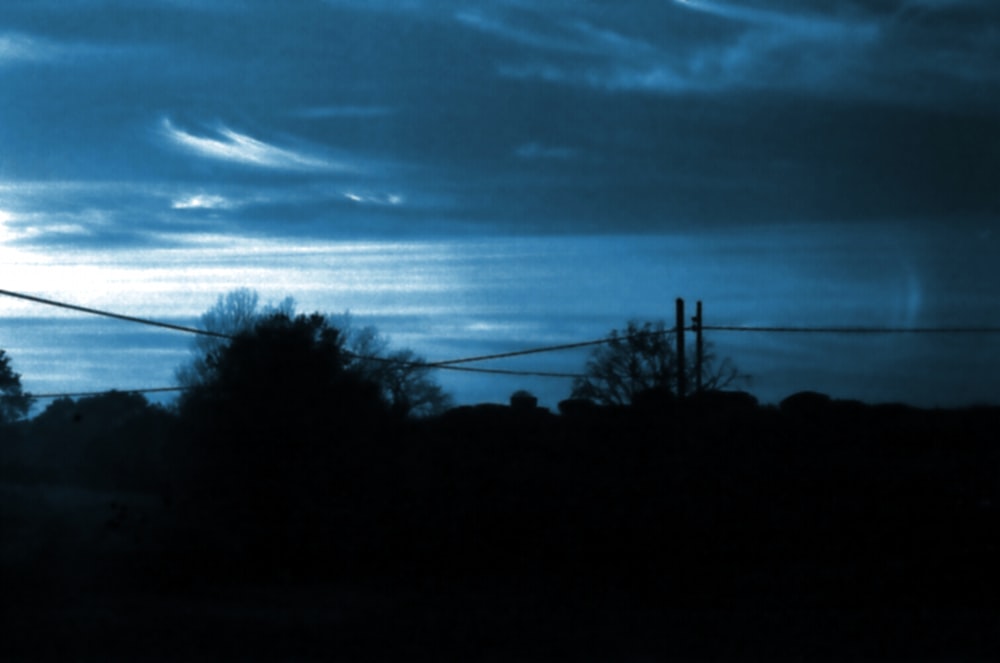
(117, 316)
(82, 394)
(500, 371)
(549, 348)
(453, 364)
(446, 365)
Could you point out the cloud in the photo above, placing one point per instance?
(28, 227)
(17, 47)
(566, 35)
(802, 26)
(14, 47)
(8, 229)
(387, 199)
(920, 52)
(944, 41)
(242, 149)
(202, 201)
(518, 35)
(749, 48)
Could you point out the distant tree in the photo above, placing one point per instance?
(112, 440)
(523, 400)
(403, 375)
(235, 312)
(273, 434)
(14, 402)
(284, 371)
(640, 360)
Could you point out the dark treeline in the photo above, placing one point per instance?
(708, 526)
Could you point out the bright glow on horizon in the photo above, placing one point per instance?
(456, 297)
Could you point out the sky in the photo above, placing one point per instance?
(478, 177)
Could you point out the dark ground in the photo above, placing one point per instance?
(820, 531)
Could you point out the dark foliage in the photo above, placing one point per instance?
(639, 362)
(113, 441)
(14, 403)
(278, 420)
(709, 527)
(286, 378)
(407, 384)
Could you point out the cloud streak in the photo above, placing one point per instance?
(242, 149)
(714, 47)
(25, 48)
(803, 27)
(202, 201)
(575, 36)
(20, 48)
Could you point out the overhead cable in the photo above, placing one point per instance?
(83, 394)
(117, 316)
(549, 348)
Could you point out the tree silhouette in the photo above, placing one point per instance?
(14, 402)
(111, 440)
(406, 383)
(285, 372)
(641, 360)
(235, 312)
(272, 436)
(402, 374)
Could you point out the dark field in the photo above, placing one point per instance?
(820, 530)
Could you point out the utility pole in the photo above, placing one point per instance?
(699, 348)
(681, 372)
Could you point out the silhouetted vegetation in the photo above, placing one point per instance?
(264, 438)
(112, 441)
(640, 361)
(405, 380)
(14, 403)
(706, 526)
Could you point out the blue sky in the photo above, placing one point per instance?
(478, 176)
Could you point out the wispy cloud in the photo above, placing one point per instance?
(546, 33)
(362, 198)
(717, 46)
(239, 148)
(518, 34)
(770, 49)
(18, 47)
(202, 201)
(27, 227)
(802, 26)
(14, 47)
(968, 50)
